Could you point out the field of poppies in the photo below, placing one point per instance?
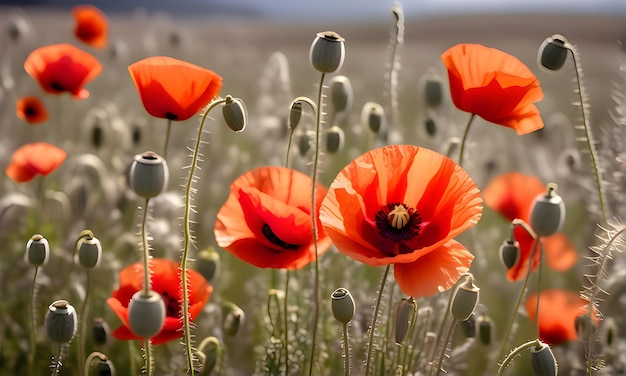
(416, 197)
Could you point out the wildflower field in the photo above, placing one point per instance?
(213, 195)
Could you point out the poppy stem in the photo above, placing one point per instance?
(370, 342)
(146, 251)
(346, 351)
(33, 303)
(316, 156)
(516, 352)
(467, 128)
(82, 323)
(188, 239)
(538, 286)
(148, 351)
(167, 137)
(286, 319)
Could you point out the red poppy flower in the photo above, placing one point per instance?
(165, 280)
(35, 159)
(402, 205)
(494, 85)
(32, 110)
(512, 195)
(62, 68)
(173, 89)
(91, 25)
(558, 310)
(266, 220)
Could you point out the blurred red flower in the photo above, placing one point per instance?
(512, 195)
(266, 220)
(403, 205)
(494, 85)
(173, 89)
(31, 110)
(91, 25)
(558, 310)
(165, 280)
(30, 160)
(62, 68)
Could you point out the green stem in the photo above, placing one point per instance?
(516, 352)
(57, 361)
(146, 251)
(167, 137)
(82, 328)
(188, 239)
(286, 324)
(33, 344)
(148, 351)
(289, 147)
(316, 298)
(467, 128)
(445, 346)
(538, 286)
(370, 342)
(346, 351)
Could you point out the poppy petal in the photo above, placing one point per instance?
(91, 25)
(558, 310)
(512, 194)
(20, 174)
(32, 110)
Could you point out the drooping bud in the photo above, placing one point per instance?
(295, 114)
(373, 117)
(235, 113)
(341, 94)
(210, 350)
(342, 305)
(148, 175)
(100, 331)
(464, 300)
(100, 365)
(585, 326)
(88, 250)
(146, 314)
(328, 52)
(61, 322)
(509, 253)
(405, 317)
(547, 212)
(542, 361)
(233, 319)
(37, 250)
(553, 52)
(335, 138)
(208, 263)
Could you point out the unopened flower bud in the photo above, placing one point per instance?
(61, 322)
(405, 317)
(432, 89)
(431, 127)
(327, 52)
(469, 326)
(548, 212)
(101, 367)
(208, 263)
(342, 305)
(304, 143)
(464, 300)
(509, 253)
(553, 52)
(341, 94)
(233, 319)
(584, 325)
(335, 138)
(146, 314)
(235, 113)
(148, 175)
(210, 350)
(485, 330)
(100, 331)
(295, 114)
(88, 250)
(542, 361)
(37, 250)
(373, 117)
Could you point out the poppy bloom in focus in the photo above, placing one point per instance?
(512, 195)
(30, 160)
(266, 220)
(403, 205)
(173, 89)
(165, 279)
(31, 110)
(494, 85)
(62, 68)
(91, 25)
(558, 310)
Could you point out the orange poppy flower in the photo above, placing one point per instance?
(558, 310)
(512, 195)
(173, 89)
(402, 205)
(62, 68)
(91, 25)
(494, 85)
(266, 220)
(165, 280)
(32, 110)
(35, 159)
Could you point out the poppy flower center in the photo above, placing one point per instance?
(274, 239)
(172, 306)
(398, 222)
(170, 116)
(57, 86)
(30, 111)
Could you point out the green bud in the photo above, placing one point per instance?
(342, 305)
(328, 52)
(146, 314)
(341, 94)
(509, 253)
(148, 175)
(373, 117)
(88, 250)
(233, 319)
(61, 322)
(335, 138)
(548, 212)
(235, 113)
(553, 52)
(485, 330)
(37, 250)
(464, 300)
(211, 350)
(542, 361)
(208, 263)
(405, 317)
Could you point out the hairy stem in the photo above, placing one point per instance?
(147, 285)
(33, 303)
(346, 351)
(82, 328)
(370, 342)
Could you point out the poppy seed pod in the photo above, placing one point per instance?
(432, 89)
(553, 52)
(146, 314)
(100, 331)
(233, 319)
(61, 322)
(431, 127)
(327, 52)
(37, 250)
(405, 316)
(104, 367)
(208, 263)
(373, 116)
(235, 114)
(342, 305)
(335, 138)
(304, 143)
(341, 94)
(88, 251)
(485, 330)
(542, 361)
(509, 253)
(469, 326)
(148, 174)
(548, 212)
(464, 300)
(295, 113)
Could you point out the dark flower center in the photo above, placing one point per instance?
(57, 86)
(398, 222)
(172, 306)
(170, 116)
(269, 235)
(30, 111)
